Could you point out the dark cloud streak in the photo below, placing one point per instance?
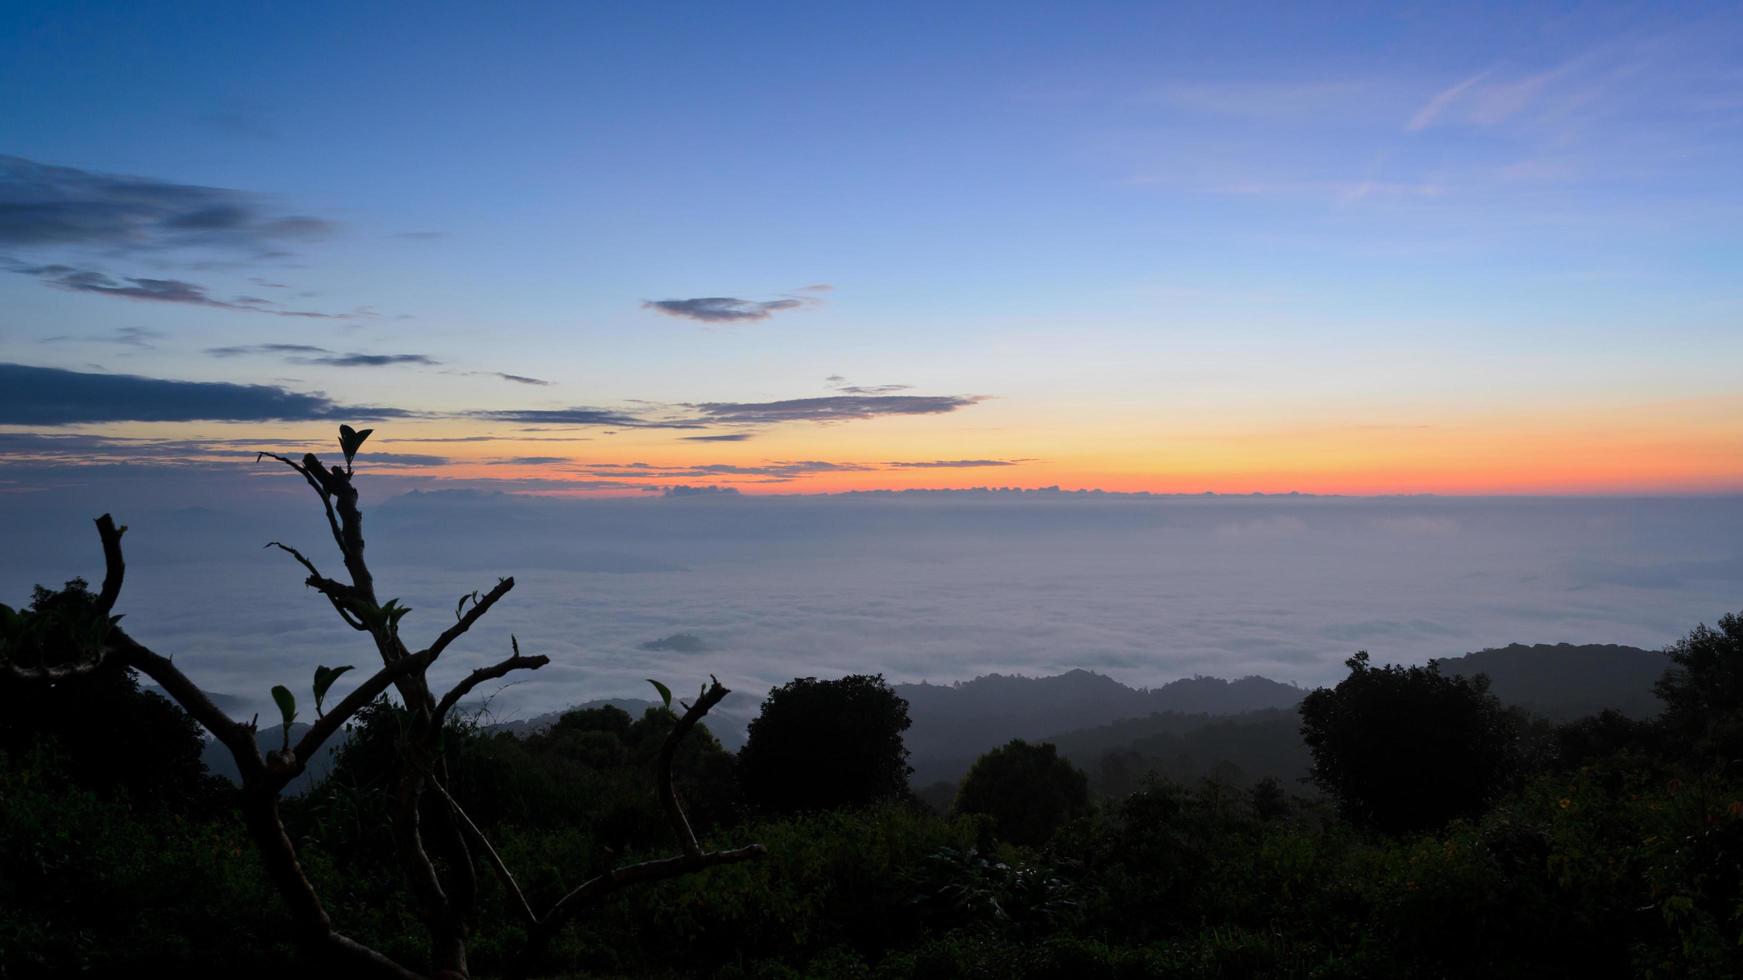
(721, 309)
(308, 354)
(42, 204)
(833, 408)
(54, 396)
(953, 464)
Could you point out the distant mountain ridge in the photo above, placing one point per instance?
(1198, 725)
(1189, 728)
(1563, 681)
(954, 723)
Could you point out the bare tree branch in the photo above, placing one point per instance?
(114, 570)
(479, 676)
(471, 616)
(441, 919)
(692, 860)
(496, 861)
(114, 567)
(368, 691)
(313, 481)
(711, 696)
(338, 593)
(235, 736)
(595, 889)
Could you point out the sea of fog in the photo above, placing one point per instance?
(916, 587)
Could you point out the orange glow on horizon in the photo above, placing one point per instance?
(1692, 446)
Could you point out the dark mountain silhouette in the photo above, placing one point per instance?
(1236, 749)
(1562, 682)
(521, 727)
(954, 723)
(1241, 730)
(728, 727)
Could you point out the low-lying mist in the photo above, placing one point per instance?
(937, 587)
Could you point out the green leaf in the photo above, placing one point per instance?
(287, 705)
(350, 440)
(665, 692)
(473, 595)
(324, 678)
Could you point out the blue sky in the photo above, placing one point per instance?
(1106, 227)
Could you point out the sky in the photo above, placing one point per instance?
(619, 248)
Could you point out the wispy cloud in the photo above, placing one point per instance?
(954, 464)
(371, 360)
(606, 417)
(697, 415)
(79, 280)
(834, 408)
(774, 471)
(140, 337)
(722, 437)
(1432, 109)
(520, 379)
(721, 309)
(839, 383)
(308, 354)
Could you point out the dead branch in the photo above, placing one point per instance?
(711, 696)
(496, 862)
(471, 616)
(338, 593)
(479, 676)
(368, 691)
(114, 568)
(314, 481)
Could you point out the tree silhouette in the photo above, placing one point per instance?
(156, 765)
(1028, 790)
(438, 847)
(1703, 690)
(818, 745)
(1407, 748)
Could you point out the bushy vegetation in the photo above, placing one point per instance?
(820, 745)
(1027, 790)
(1615, 851)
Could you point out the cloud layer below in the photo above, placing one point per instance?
(1146, 591)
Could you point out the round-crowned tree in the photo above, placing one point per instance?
(819, 745)
(1703, 691)
(1408, 748)
(1030, 791)
(107, 734)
